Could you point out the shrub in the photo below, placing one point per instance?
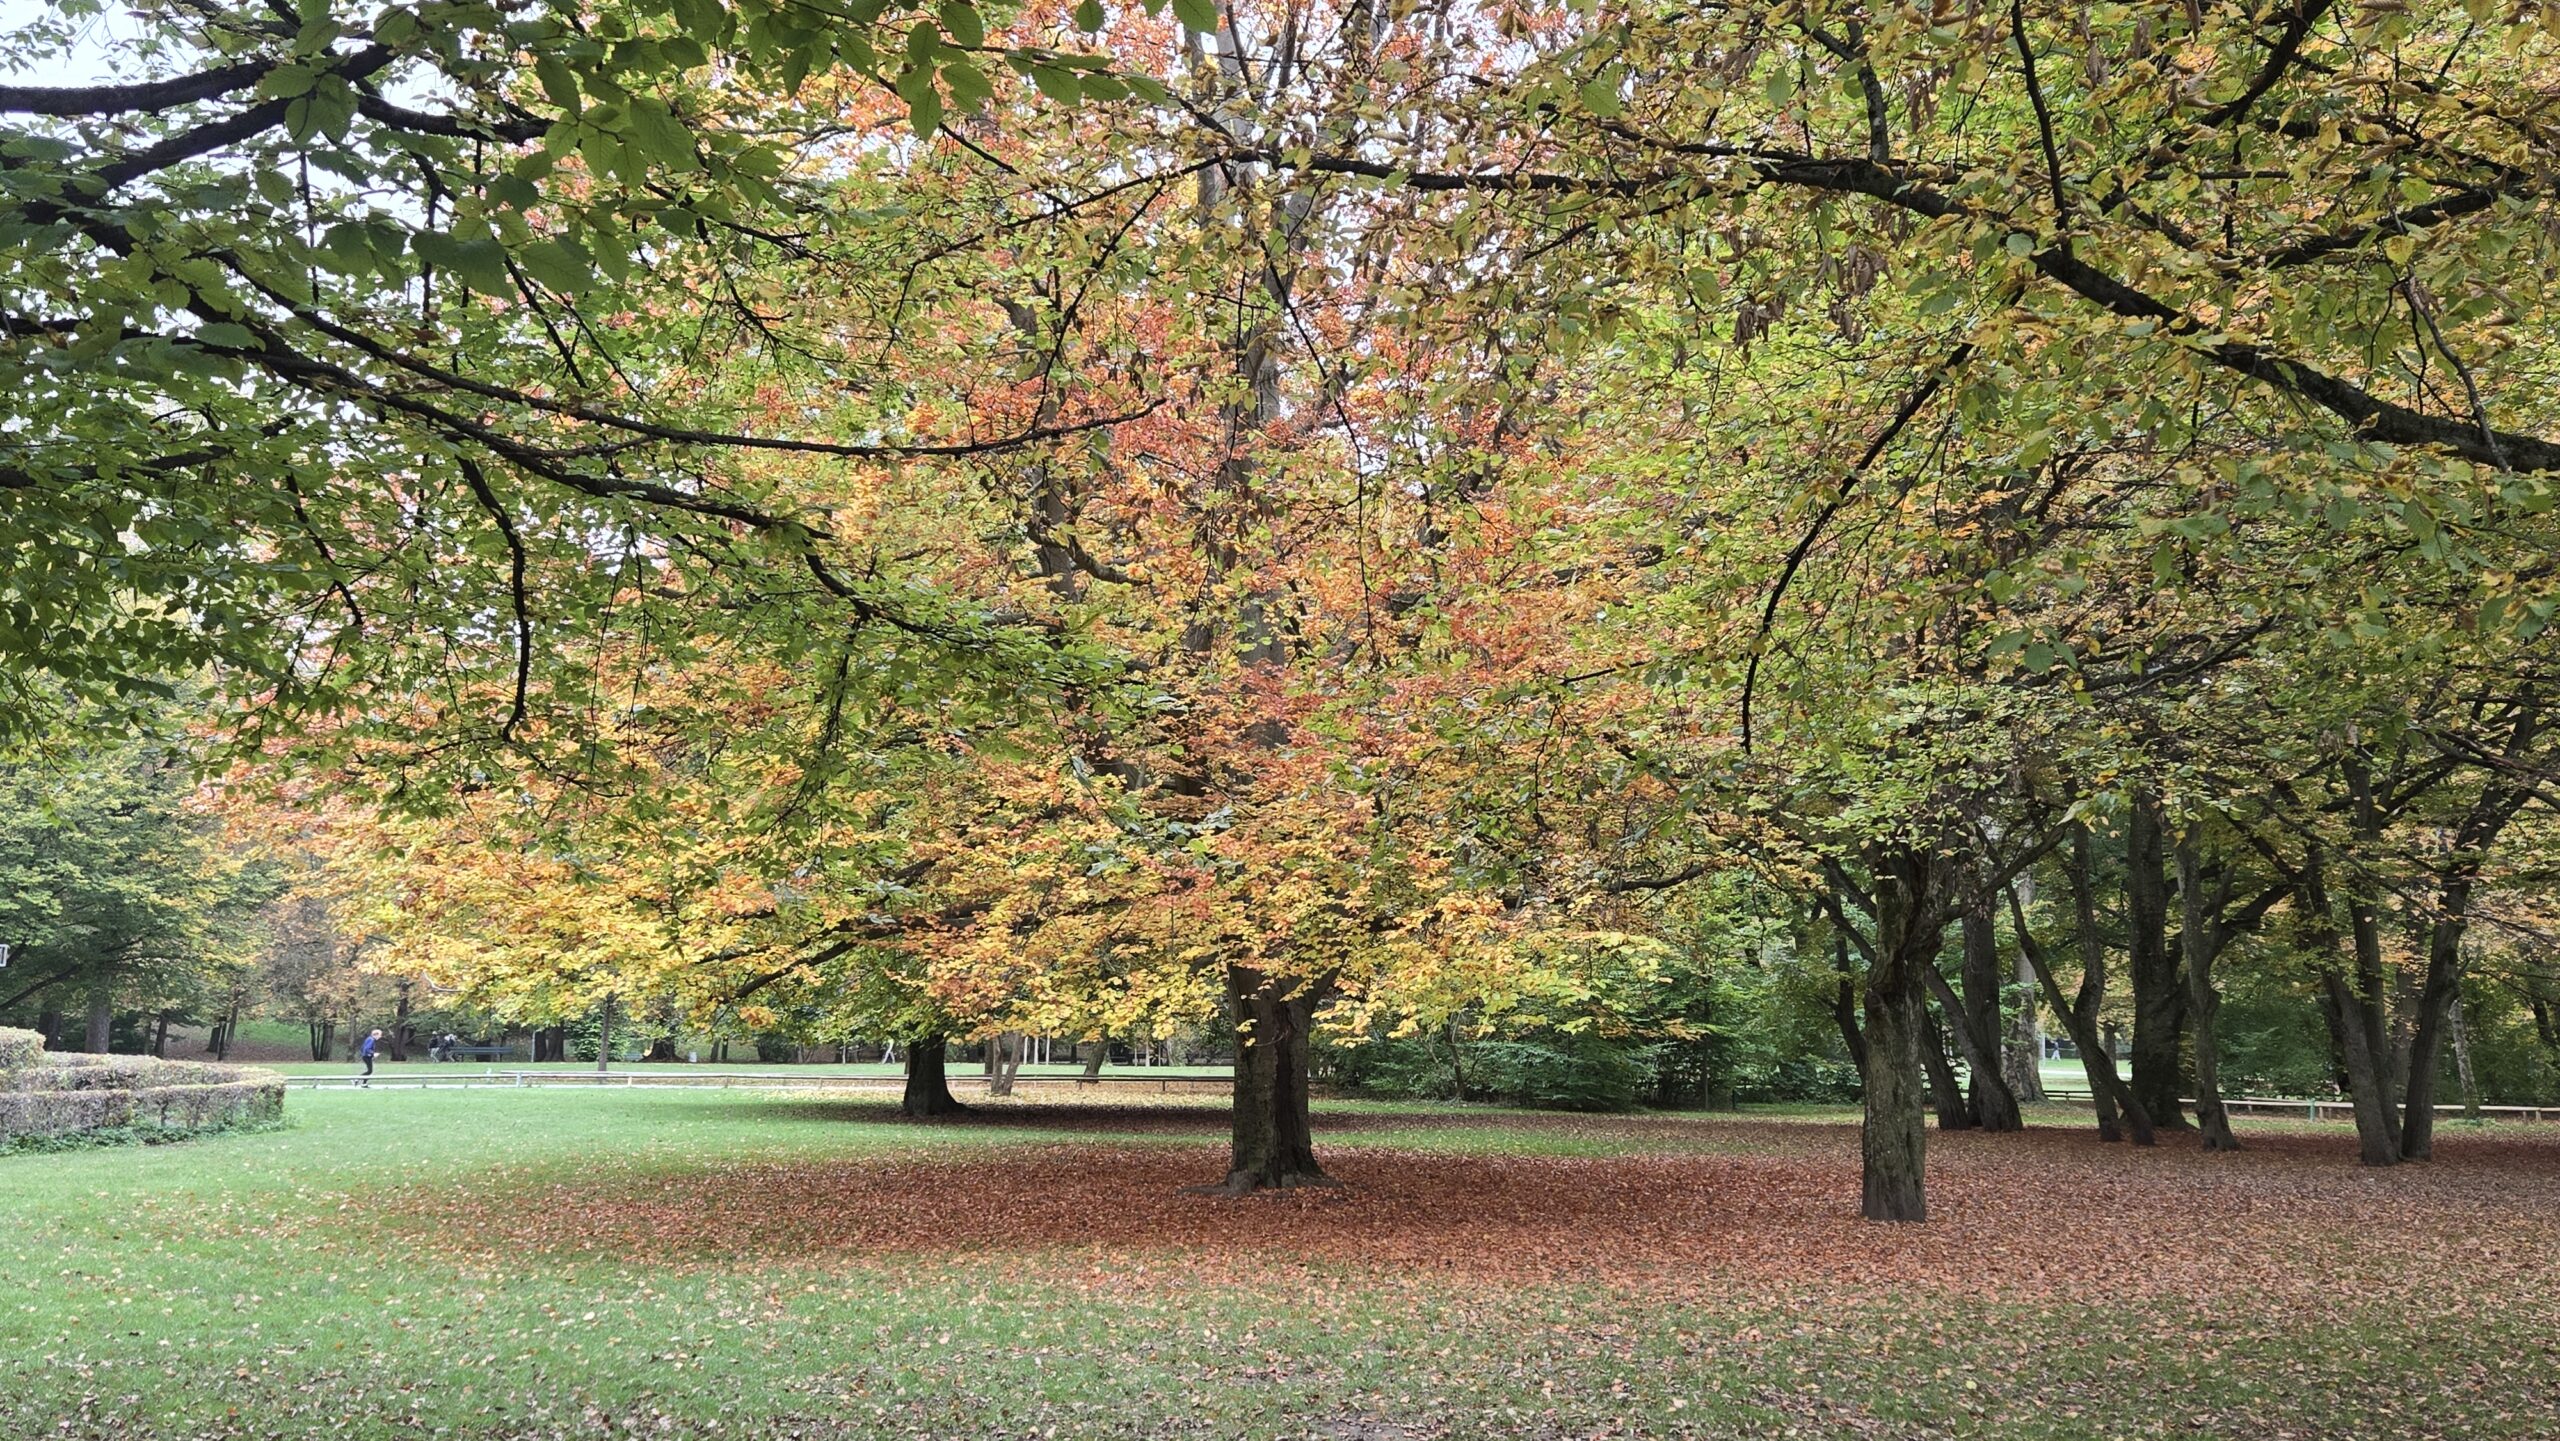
(20, 1050)
(75, 1098)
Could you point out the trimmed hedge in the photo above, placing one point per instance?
(20, 1050)
(48, 1101)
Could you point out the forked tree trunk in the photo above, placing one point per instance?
(929, 1080)
(2352, 1002)
(1946, 1092)
(2199, 938)
(1990, 1105)
(1892, 1141)
(2113, 1100)
(2159, 1001)
(1273, 1138)
(1994, 1101)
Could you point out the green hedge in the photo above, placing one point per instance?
(49, 1101)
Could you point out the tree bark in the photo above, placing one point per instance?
(400, 1024)
(2199, 938)
(2159, 1002)
(1981, 1034)
(1844, 1000)
(2352, 1005)
(1273, 1136)
(1990, 1104)
(1892, 1141)
(102, 1021)
(1096, 1051)
(1004, 1057)
(929, 1080)
(2113, 1100)
(1946, 1093)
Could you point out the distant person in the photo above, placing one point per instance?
(364, 1053)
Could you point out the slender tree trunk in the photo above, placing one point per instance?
(1844, 1001)
(1981, 1034)
(1990, 1105)
(1096, 1051)
(2025, 1068)
(2461, 1034)
(400, 1024)
(2117, 1107)
(2199, 939)
(604, 1035)
(929, 1080)
(1946, 1092)
(1273, 1138)
(2159, 1002)
(49, 1021)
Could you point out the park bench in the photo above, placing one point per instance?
(480, 1053)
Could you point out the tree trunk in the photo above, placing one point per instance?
(604, 1036)
(1946, 1093)
(2437, 1001)
(2198, 937)
(102, 1021)
(2112, 1099)
(49, 1021)
(400, 1024)
(1844, 1000)
(1892, 1141)
(2352, 1007)
(1995, 1103)
(1096, 1051)
(1990, 1105)
(2461, 1036)
(929, 1080)
(324, 1038)
(1004, 1056)
(2159, 1002)
(1273, 1138)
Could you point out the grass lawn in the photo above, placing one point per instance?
(496, 1263)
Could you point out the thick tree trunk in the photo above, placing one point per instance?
(1095, 1051)
(1273, 1135)
(1893, 1142)
(2198, 937)
(160, 1034)
(2025, 1068)
(2436, 1007)
(2159, 1001)
(102, 1021)
(49, 1021)
(2352, 1003)
(929, 1080)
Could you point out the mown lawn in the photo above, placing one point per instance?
(548, 1263)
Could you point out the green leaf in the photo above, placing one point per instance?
(225, 335)
(559, 82)
(963, 24)
(1058, 83)
(1200, 15)
(1088, 15)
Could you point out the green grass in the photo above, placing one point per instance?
(352, 1275)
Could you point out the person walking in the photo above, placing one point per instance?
(364, 1053)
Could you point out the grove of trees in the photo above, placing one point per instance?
(1879, 531)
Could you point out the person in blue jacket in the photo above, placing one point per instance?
(364, 1053)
